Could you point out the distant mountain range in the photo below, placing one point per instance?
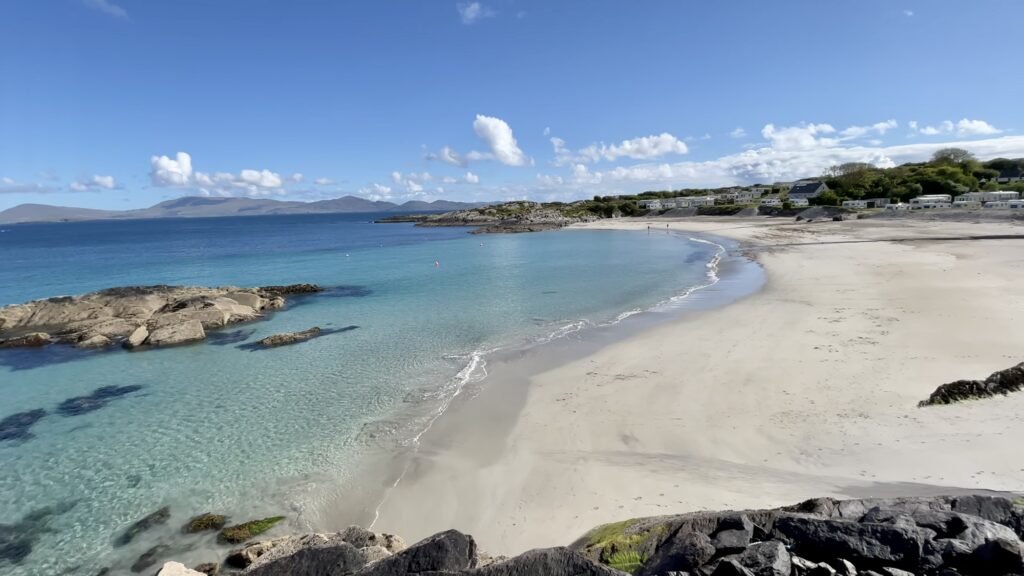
(203, 207)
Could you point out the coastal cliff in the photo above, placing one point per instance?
(934, 536)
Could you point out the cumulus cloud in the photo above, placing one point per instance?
(964, 127)
(296, 177)
(643, 148)
(802, 137)
(177, 172)
(471, 178)
(448, 156)
(376, 192)
(472, 12)
(94, 183)
(497, 134)
(879, 128)
(411, 182)
(739, 132)
(323, 182)
(107, 8)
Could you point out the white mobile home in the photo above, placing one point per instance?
(897, 206)
(966, 204)
(771, 202)
(991, 196)
(1016, 204)
(799, 202)
(931, 201)
(997, 205)
(649, 204)
(856, 204)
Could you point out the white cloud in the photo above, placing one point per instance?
(323, 181)
(96, 182)
(643, 148)
(412, 182)
(739, 132)
(296, 177)
(472, 178)
(497, 134)
(908, 13)
(177, 172)
(107, 8)
(549, 180)
(803, 137)
(472, 12)
(448, 156)
(12, 186)
(879, 128)
(376, 192)
(912, 124)
(967, 127)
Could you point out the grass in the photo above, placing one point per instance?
(627, 561)
(242, 532)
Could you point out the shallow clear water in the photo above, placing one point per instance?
(221, 428)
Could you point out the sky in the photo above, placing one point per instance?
(121, 104)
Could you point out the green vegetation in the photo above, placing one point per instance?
(204, 522)
(627, 560)
(242, 532)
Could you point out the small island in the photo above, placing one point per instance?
(139, 317)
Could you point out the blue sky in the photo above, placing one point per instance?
(124, 103)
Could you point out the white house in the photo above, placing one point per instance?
(771, 202)
(971, 204)
(855, 204)
(992, 196)
(750, 195)
(898, 206)
(1015, 174)
(727, 197)
(799, 202)
(930, 201)
(649, 204)
(694, 201)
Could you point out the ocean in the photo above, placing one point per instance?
(220, 428)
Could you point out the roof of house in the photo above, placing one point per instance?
(807, 188)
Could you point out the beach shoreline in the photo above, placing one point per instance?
(717, 410)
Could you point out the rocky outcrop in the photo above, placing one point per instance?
(204, 522)
(512, 217)
(289, 338)
(247, 531)
(1002, 383)
(140, 316)
(177, 569)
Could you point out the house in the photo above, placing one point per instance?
(992, 196)
(728, 196)
(694, 201)
(750, 195)
(649, 204)
(772, 200)
(799, 202)
(998, 205)
(930, 201)
(807, 190)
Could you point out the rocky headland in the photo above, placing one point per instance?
(510, 217)
(969, 535)
(139, 317)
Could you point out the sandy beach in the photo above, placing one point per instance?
(809, 387)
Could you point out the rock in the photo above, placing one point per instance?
(150, 557)
(184, 333)
(372, 554)
(822, 569)
(311, 555)
(895, 572)
(733, 535)
(730, 567)
(363, 538)
(203, 522)
(17, 426)
(449, 551)
(208, 568)
(242, 532)
(175, 569)
(291, 289)
(868, 544)
(766, 559)
(289, 338)
(249, 299)
(157, 518)
(245, 556)
(544, 562)
(137, 337)
(844, 567)
(1000, 556)
(686, 551)
(999, 383)
(31, 340)
(97, 341)
(99, 398)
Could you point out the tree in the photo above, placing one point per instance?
(952, 156)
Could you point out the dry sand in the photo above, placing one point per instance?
(807, 388)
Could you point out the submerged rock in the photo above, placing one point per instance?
(31, 340)
(17, 426)
(151, 556)
(157, 518)
(98, 399)
(241, 532)
(289, 338)
(292, 289)
(204, 522)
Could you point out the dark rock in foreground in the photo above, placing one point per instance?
(17, 426)
(157, 518)
(1002, 382)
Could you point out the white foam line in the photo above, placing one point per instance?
(477, 360)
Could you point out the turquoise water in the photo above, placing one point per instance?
(224, 429)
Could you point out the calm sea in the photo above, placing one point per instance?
(220, 428)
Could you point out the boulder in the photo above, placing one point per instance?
(208, 568)
(685, 551)
(545, 562)
(248, 299)
(157, 518)
(190, 331)
(150, 557)
(867, 544)
(291, 289)
(766, 559)
(449, 551)
(821, 569)
(844, 567)
(999, 556)
(733, 535)
(31, 340)
(96, 341)
(177, 569)
(363, 538)
(289, 338)
(203, 522)
(245, 556)
(731, 567)
(311, 555)
(372, 554)
(137, 337)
